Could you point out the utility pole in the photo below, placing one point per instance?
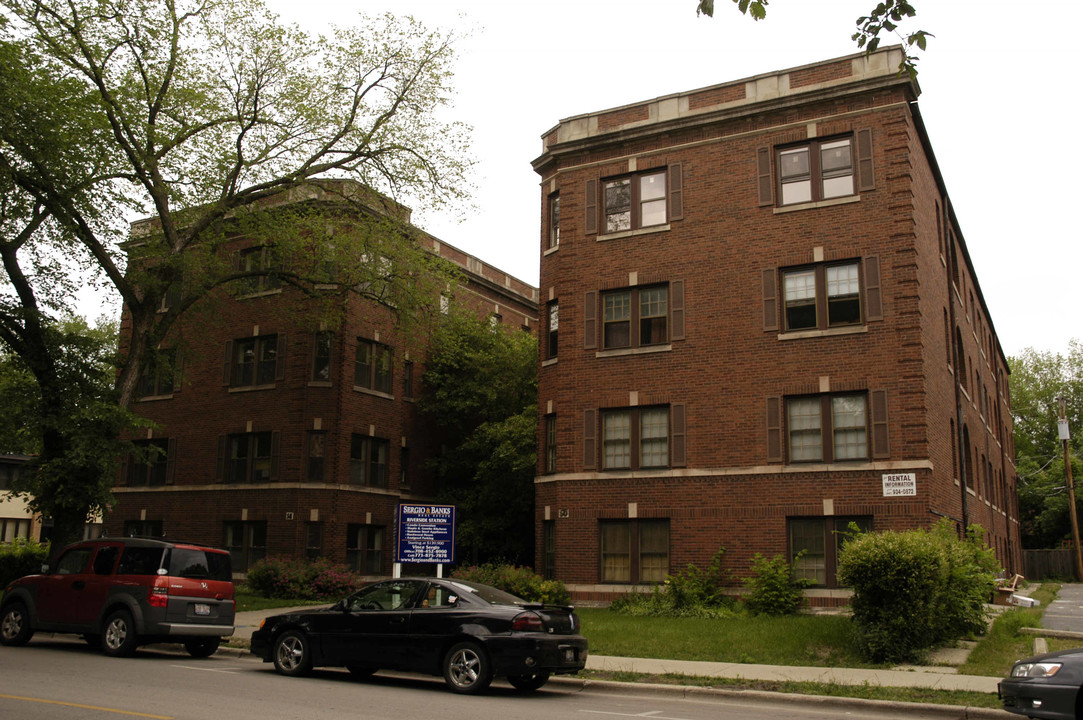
(1062, 431)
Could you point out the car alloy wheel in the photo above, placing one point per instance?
(119, 637)
(15, 625)
(291, 654)
(466, 668)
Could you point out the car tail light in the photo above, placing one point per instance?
(527, 622)
(158, 597)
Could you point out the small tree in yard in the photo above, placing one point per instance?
(916, 590)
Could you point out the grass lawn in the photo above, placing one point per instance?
(248, 600)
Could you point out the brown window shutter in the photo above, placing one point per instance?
(763, 176)
(178, 367)
(280, 359)
(676, 192)
(770, 299)
(774, 429)
(125, 469)
(865, 177)
(590, 439)
(676, 310)
(874, 306)
(228, 365)
(223, 449)
(677, 436)
(171, 461)
(880, 446)
(590, 202)
(590, 320)
(274, 457)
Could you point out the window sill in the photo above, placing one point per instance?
(818, 204)
(376, 393)
(152, 398)
(252, 388)
(551, 250)
(830, 332)
(260, 293)
(634, 233)
(550, 361)
(319, 383)
(649, 350)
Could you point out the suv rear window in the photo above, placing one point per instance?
(199, 564)
(140, 561)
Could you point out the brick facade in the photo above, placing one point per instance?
(736, 365)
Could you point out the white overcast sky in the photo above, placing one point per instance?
(1000, 98)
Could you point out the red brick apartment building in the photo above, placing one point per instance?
(280, 437)
(761, 324)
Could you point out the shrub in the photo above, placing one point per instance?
(319, 579)
(21, 557)
(916, 590)
(660, 602)
(519, 581)
(692, 592)
(773, 589)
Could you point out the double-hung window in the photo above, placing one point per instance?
(254, 361)
(157, 377)
(149, 464)
(553, 241)
(634, 202)
(257, 262)
(372, 367)
(634, 551)
(246, 542)
(365, 548)
(369, 460)
(827, 428)
(248, 457)
(634, 438)
(822, 296)
(817, 170)
(322, 345)
(635, 317)
(550, 444)
(552, 331)
(816, 543)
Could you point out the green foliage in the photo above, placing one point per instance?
(916, 590)
(319, 579)
(519, 581)
(21, 557)
(773, 589)
(480, 397)
(691, 592)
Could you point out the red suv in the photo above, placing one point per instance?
(125, 592)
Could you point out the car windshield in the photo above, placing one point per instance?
(199, 564)
(489, 594)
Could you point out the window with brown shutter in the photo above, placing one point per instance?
(590, 320)
(823, 296)
(774, 429)
(817, 170)
(676, 192)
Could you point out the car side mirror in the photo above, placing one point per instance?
(45, 568)
(341, 605)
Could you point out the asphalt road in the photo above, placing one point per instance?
(63, 679)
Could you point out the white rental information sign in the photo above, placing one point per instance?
(900, 484)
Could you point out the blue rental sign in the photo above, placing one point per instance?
(426, 534)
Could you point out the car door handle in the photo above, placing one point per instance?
(78, 585)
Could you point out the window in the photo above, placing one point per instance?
(372, 367)
(841, 419)
(550, 444)
(257, 260)
(554, 326)
(408, 378)
(150, 463)
(635, 317)
(368, 460)
(317, 465)
(365, 548)
(173, 293)
(313, 540)
(321, 356)
(157, 376)
(246, 542)
(819, 170)
(254, 361)
(818, 540)
(11, 529)
(822, 296)
(554, 220)
(634, 551)
(634, 438)
(635, 202)
(248, 457)
(8, 471)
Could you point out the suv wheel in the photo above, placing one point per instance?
(15, 625)
(202, 647)
(119, 638)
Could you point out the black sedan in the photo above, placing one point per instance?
(1045, 686)
(465, 631)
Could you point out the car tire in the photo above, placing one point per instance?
(361, 673)
(202, 647)
(528, 683)
(119, 637)
(15, 626)
(467, 669)
(292, 655)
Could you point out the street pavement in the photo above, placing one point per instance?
(1066, 612)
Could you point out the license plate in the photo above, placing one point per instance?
(203, 609)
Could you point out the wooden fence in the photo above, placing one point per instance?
(1049, 565)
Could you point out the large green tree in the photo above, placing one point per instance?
(1038, 378)
(213, 119)
(480, 395)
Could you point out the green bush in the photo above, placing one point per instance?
(916, 590)
(519, 581)
(773, 589)
(21, 557)
(691, 592)
(319, 579)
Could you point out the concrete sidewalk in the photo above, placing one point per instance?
(936, 677)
